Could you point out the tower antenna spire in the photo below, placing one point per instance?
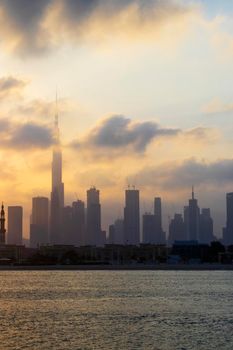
(56, 110)
(192, 192)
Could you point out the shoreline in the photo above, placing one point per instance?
(161, 267)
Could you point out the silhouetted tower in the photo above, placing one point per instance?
(229, 226)
(73, 223)
(132, 217)
(194, 218)
(176, 229)
(116, 232)
(186, 222)
(111, 234)
(78, 216)
(15, 225)
(57, 194)
(39, 226)
(206, 227)
(93, 223)
(159, 234)
(148, 228)
(2, 226)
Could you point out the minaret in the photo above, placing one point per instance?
(57, 193)
(2, 226)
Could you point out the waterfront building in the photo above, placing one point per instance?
(93, 222)
(160, 237)
(39, 226)
(73, 224)
(2, 226)
(176, 229)
(111, 234)
(193, 218)
(206, 227)
(229, 219)
(131, 217)
(78, 217)
(148, 228)
(15, 225)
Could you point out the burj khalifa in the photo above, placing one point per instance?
(57, 193)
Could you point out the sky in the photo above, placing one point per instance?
(145, 99)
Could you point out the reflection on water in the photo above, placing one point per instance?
(116, 310)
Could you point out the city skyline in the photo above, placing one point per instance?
(147, 102)
(116, 191)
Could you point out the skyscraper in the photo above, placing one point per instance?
(148, 228)
(93, 223)
(73, 224)
(132, 217)
(78, 216)
(193, 218)
(160, 237)
(116, 232)
(119, 231)
(176, 229)
(186, 222)
(229, 224)
(15, 225)
(57, 194)
(2, 226)
(39, 221)
(206, 227)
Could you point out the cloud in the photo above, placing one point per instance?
(216, 106)
(184, 174)
(201, 134)
(10, 86)
(39, 108)
(118, 133)
(32, 135)
(25, 136)
(35, 26)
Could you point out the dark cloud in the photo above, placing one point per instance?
(35, 26)
(120, 133)
(188, 173)
(24, 20)
(32, 135)
(25, 136)
(10, 85)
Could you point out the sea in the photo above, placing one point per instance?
(160, 310)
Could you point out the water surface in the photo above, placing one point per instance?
(161, 310)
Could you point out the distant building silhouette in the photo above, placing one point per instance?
(176, 229)
(78, 215)
(229, 223)
(186, 222)
(119, 231)
(160, 237)
(2, 226)
(206, 234)
(39, 227)
(193, 218)
(111, 234)
(73, 224)
(116, 232)
(132, 217)
(93, 222)
(148, 228)
(57, 194)
(15, 225)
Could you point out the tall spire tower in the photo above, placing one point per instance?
(57, 193)
(2, 226)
